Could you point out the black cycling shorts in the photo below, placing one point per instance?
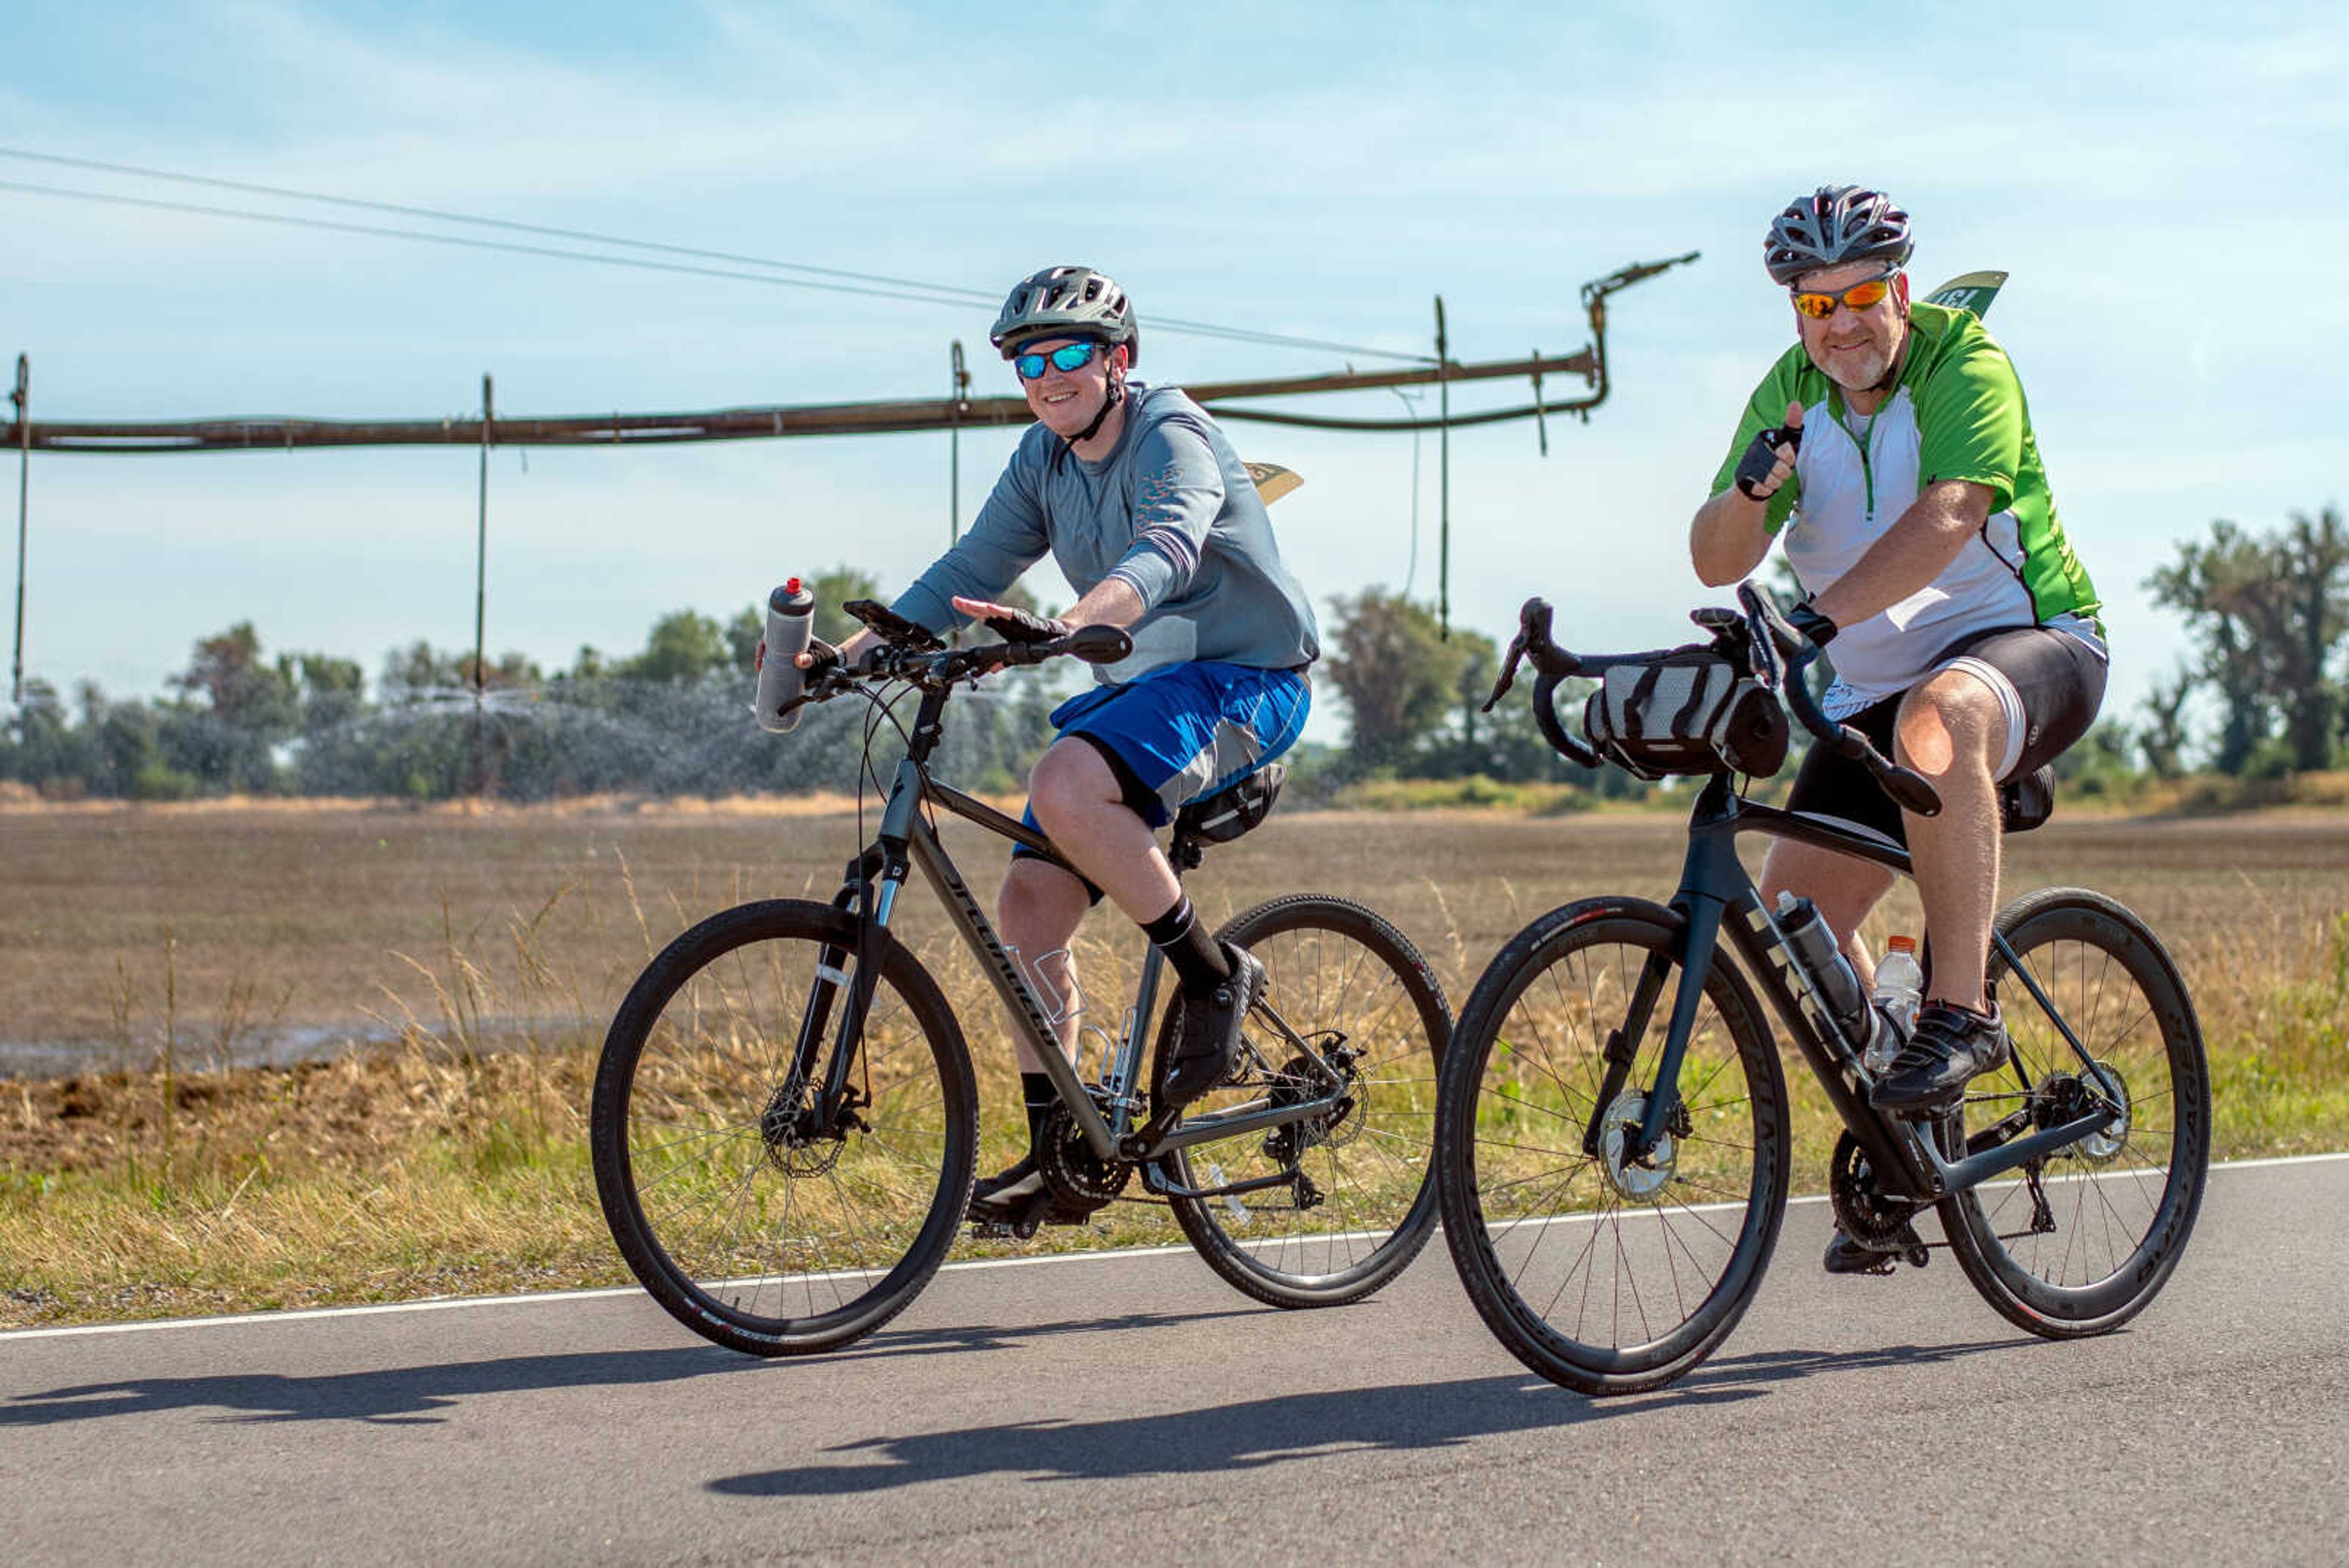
(2050, 683)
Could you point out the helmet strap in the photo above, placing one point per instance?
(1116, 396)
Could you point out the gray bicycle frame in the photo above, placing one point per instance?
(906, 839)
(1714, 886)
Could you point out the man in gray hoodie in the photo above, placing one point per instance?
(1154, 520)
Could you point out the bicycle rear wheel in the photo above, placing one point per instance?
(1355, 991)
(1603, 1272)
(752, 1224)
(2084, 1239)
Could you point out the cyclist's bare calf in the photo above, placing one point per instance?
(1950, 729)
(1078, 802)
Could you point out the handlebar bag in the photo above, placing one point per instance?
(1689, 710)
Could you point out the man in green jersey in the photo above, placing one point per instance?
(1891, 449)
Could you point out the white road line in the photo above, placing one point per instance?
(451, 1304)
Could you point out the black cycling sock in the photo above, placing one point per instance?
(1189, 946)
(1036, 1089)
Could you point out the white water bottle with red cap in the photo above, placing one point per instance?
(1899, 993)
(790, 620)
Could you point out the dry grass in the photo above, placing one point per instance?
(482, 953)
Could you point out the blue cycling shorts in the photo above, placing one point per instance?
(1183, 731)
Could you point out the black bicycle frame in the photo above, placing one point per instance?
(1717, 896)
(871, 887)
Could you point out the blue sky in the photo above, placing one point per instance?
(2166, 186)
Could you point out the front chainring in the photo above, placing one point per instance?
(1078, 1178)
(1863, 1211)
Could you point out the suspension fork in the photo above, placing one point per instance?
(869, 889)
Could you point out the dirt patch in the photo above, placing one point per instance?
(344, 1115)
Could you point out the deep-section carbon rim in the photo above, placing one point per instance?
(1603, 1274)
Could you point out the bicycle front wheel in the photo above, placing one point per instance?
(1603, 1270)
(2084, 1238)
(1350, 1200)
(753, 1222)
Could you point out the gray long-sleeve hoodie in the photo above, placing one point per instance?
(1171, 511)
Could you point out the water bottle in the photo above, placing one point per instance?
(1900, 993)
(791, 619)
(1812, 945)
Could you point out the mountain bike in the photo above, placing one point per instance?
(785, 1114)
(1613, 1128)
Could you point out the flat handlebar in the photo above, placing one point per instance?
(909, 658)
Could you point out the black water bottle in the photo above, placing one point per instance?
(1813, 947)
(790, 620)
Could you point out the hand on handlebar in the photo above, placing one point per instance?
(1011, 623)
(853, 657)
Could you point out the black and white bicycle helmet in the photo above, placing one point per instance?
(1067, 302)
(1835, 224)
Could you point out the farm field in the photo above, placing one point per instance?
(151, 957)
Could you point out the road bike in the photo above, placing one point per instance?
(785, 1114)
(1613, 1142)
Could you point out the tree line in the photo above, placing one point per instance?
(2264, 692)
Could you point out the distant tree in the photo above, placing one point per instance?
(684, 646)
(1388, 659)
(2162, 737)
(236, 710)
(2269, 614)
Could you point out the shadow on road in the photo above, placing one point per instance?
(407, 1395)
(392, 1394)
(1260, 1432)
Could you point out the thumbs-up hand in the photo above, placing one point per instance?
(1770, 461)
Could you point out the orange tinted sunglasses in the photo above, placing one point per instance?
(1858, 297)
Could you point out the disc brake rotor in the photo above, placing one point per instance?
(2103, 1148)
(1639, 1180)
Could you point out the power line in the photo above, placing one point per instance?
(438, 215)
(840, 280)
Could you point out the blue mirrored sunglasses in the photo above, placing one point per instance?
(1066, 357)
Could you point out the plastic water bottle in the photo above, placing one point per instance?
(1900, 993)
(1813, 947)
(790, 620)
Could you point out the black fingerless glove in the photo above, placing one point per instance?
(1019, 625)
(1761, 456)
(1808, 622)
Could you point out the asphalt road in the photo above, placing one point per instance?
(1132, 1407)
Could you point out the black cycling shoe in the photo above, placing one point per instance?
(1006, 1191)
(1210, 1039)
(1846, 1256)
(1949, 1047)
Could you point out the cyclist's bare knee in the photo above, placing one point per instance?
(1072, 781)
(1952, 722)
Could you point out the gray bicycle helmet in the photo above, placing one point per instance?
(1835, 224)
(1067, 302)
